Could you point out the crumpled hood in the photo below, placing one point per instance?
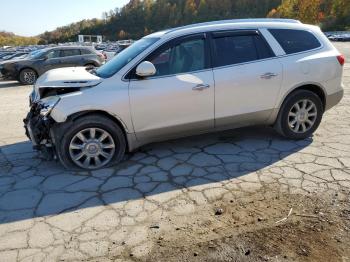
(67, 77)
(64, 80)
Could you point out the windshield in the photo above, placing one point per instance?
(36, 54)
(124, 57)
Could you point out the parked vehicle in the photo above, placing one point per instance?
(340, 37)
(18, 55)
(3, 54)
(38, 62)
(184, 81)
(110, 53)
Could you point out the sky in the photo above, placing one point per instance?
(32, 17)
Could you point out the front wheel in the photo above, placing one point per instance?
(91, 142)
(300, 115)
(28, 76)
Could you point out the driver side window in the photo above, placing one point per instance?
(53, 54)
(183, 57)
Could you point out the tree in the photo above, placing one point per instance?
(7, 38)
(140, 17)
(122, 35)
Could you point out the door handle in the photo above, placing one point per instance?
(268, 75)
(200, 87)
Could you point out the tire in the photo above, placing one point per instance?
(66, 150)
(28, 76)
(289, 116)
(90, 66)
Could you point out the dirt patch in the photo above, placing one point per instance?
(248, 229)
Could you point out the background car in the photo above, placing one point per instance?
(6, 54)
(27, 70)
(18, 55)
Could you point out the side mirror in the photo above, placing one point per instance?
(45, 57)
(145, 69)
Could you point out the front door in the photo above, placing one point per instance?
(52, 60)
(179, 99)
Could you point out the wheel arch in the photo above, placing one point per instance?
(28, 67)
(316, 88)
(75, 116)
(91, 63)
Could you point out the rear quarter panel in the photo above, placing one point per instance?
(319, 67)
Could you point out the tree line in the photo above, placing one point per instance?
(141, 17)
(331, 15)
(10, 39)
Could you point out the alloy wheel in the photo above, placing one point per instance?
(29, 77)
(302, 116)
(92, 148)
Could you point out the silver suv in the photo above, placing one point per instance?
(184, 81)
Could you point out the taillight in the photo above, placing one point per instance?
(101, 55)
(341, 59)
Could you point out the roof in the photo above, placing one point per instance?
(236, 22)
(69, 47)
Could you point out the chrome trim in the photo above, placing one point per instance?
(183, 35)
(157, 77)
(268, 75)
(200, 87)
(235, 21)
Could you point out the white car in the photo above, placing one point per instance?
(189, 80)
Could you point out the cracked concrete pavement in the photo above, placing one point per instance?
(48, 213)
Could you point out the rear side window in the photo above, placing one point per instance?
(86, 51)
(295, 41)
(70, 52)
(235, 49)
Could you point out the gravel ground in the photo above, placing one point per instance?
(218, 197)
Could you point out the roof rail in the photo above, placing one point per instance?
(231, 21)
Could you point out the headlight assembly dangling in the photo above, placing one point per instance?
(48, 104)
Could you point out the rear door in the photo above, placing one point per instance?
(247, 78)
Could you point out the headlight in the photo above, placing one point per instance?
(47, 104)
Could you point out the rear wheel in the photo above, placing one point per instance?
(92, 142)
(300, 115)
(28, 76)
(90, 66)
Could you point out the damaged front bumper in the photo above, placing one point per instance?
(38, 128)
